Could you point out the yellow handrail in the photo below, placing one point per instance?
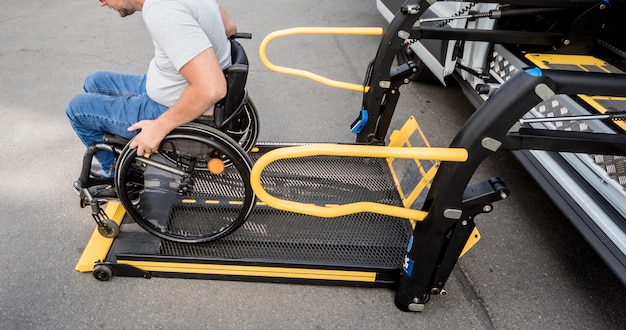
(328, 211)
(374, 31)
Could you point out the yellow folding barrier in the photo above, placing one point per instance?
(373, 31)
(329, 211)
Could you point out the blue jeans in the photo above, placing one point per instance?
(112, 102)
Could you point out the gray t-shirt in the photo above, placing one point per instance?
(181, 30)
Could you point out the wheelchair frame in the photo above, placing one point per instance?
(230, 113)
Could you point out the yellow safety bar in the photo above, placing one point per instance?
(374, 31)
(329, 211)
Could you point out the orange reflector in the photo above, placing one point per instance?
(216, 166)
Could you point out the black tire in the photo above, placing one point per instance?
(109, 228)
(423, 73)
(179, 198)
(102, 272)
(245, 129)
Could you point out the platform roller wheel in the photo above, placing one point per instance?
(108, 228)
(102, 272)
(195, 189)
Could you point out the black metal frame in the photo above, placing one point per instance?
(381, 99)
(451, 204)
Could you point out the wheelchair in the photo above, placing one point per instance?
(172, 193)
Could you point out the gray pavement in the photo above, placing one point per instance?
(530, 270)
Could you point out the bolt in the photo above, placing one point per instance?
(487, 208)
(434, 291)
(503, 195)
(464, 222)
(566, 42)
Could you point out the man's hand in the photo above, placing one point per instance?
(149, 138)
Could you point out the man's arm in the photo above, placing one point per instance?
(229, 24)
(207, 85)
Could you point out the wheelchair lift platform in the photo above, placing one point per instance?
(277, 246)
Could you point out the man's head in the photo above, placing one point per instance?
(123, 7)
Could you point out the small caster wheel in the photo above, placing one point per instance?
(102, 272)
(109, 228)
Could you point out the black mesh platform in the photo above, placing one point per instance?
(270, 236)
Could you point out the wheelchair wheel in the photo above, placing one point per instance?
(195, 189)
(245, 129)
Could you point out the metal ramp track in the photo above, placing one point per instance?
(276, 246)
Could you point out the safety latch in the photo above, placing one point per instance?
(358, 125)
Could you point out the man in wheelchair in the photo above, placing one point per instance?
(185, 80)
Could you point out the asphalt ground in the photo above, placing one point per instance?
(531, 269)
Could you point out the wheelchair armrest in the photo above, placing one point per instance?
(115, 139)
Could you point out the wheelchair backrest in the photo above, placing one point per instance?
(236, 77)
